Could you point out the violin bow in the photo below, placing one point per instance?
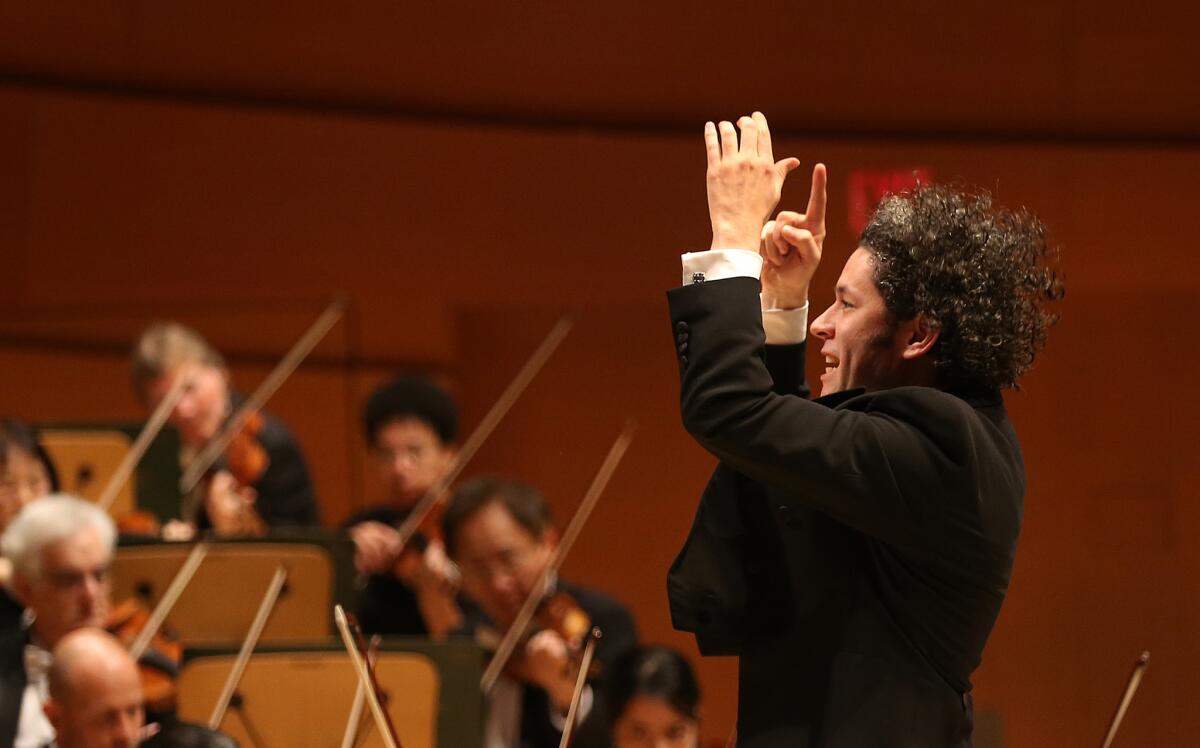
(1131, 687)
(352, 640)
(170, 596)
(284, 369)
(529, 608)
(150, 429)
(354, 721)
(485, 428)
(580, 681)
(251, 641)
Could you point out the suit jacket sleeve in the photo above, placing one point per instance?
(871, 469)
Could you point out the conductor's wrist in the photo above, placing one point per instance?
(736, 237)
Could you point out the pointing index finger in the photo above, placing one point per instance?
(816, 200)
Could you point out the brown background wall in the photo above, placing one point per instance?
(235, 170)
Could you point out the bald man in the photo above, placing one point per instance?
(95, 694)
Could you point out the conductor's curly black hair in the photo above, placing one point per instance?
(982, 275)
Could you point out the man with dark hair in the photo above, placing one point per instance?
(501, 535)
(853, 551)
(410, 426)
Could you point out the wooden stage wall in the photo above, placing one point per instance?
(459, 246)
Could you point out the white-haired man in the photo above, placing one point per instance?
(60, 548)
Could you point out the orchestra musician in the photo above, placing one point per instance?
(853, 551)
(95, 700)
(26, 474)
(60, 548)
(500, 534)
(410, 426)
(654, 699)
(95, 696)
(282, 495)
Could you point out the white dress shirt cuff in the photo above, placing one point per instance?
(717, 264)
(785, 326)
(782, 326)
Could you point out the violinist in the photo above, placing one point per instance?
(60, 548)
(500, 534)
(26, 474)
(279, 493)
(411, 426)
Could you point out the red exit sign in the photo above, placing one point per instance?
(866, 187)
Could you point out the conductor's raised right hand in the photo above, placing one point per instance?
(744, 181)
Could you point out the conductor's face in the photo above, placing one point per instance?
(501, 561)
(862, 348)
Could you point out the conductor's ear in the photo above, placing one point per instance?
(922, 335)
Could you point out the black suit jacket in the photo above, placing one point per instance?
(11, 611)
(853, 552)
(12, 680)
(619, 636)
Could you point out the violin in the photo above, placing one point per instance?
(246, 460)
(156, 652)
(158, 666)
(561, 614)
(139, 522)
(245, 456)
(243, 460)
(557, 612)
(428, 531)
